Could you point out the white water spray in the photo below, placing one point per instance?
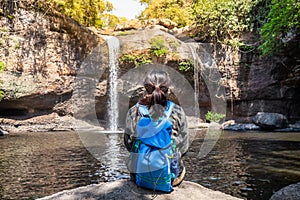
(196, 80)
(113, 111)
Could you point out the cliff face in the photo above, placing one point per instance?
(251, 83)
(45, 53)
(255, 84)
(42, 53)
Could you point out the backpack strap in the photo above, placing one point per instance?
(170, 106)
(144, 111)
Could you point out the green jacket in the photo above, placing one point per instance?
(179, 125)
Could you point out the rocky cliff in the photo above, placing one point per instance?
(42, 53)
(47, 54)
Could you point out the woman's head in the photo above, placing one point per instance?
(156, 83)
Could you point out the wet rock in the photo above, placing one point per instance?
(270, 121)
(46, 122)
(3, 132)
(290, 192)
(241, 127)
(124, 189)
(296, 126)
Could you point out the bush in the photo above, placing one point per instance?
(158, 47)
(214, 117)
(185, 65)
(137, 59)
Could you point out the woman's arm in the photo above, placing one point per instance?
(180, 129)
(130, 126)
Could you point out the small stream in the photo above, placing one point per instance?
(249, 165)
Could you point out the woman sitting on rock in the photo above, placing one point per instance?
(153, 107)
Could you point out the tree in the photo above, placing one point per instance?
(283, 21)
(86, 12)
(223, 20)
(179, 11)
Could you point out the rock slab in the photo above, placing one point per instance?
(125, 189)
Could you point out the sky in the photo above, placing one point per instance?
(126, 8)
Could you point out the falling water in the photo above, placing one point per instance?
(113, 112)
(196, 79)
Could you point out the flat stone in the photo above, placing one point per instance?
(125, 189)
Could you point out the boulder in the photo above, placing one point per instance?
(125, 189)
(290, 192)
(270, 121)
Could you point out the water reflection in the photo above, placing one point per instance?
(247, 165)
(39, 164)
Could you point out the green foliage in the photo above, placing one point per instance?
(214, 117)
(179, 11)
(158, 46)
(283, 18)
(86, 12)
(185, 65)
(223, 20)
(1, 95)
(139, 59)
(111, 21)
(2, 66)
(10, 17)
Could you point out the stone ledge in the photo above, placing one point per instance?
(125, 189)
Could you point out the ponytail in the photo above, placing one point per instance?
(156, 84)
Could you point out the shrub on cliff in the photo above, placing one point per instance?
(283, 24)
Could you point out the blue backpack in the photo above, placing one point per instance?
(154, 151)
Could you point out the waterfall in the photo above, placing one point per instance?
(113, 111)
(196, 79)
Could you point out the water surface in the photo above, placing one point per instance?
(249, 165)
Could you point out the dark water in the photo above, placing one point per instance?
(247, 165)
(34, 165)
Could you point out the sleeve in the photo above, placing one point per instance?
(130, 125)
(180, 130)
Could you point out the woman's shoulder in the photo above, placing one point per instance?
(177, 109)
(132, 110)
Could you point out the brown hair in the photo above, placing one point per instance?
(156, 84)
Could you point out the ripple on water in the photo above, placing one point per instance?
(249, 165)
(39, 164)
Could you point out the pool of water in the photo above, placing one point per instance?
(34, 165)
(249, 165)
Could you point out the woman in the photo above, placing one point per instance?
(157, 84)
